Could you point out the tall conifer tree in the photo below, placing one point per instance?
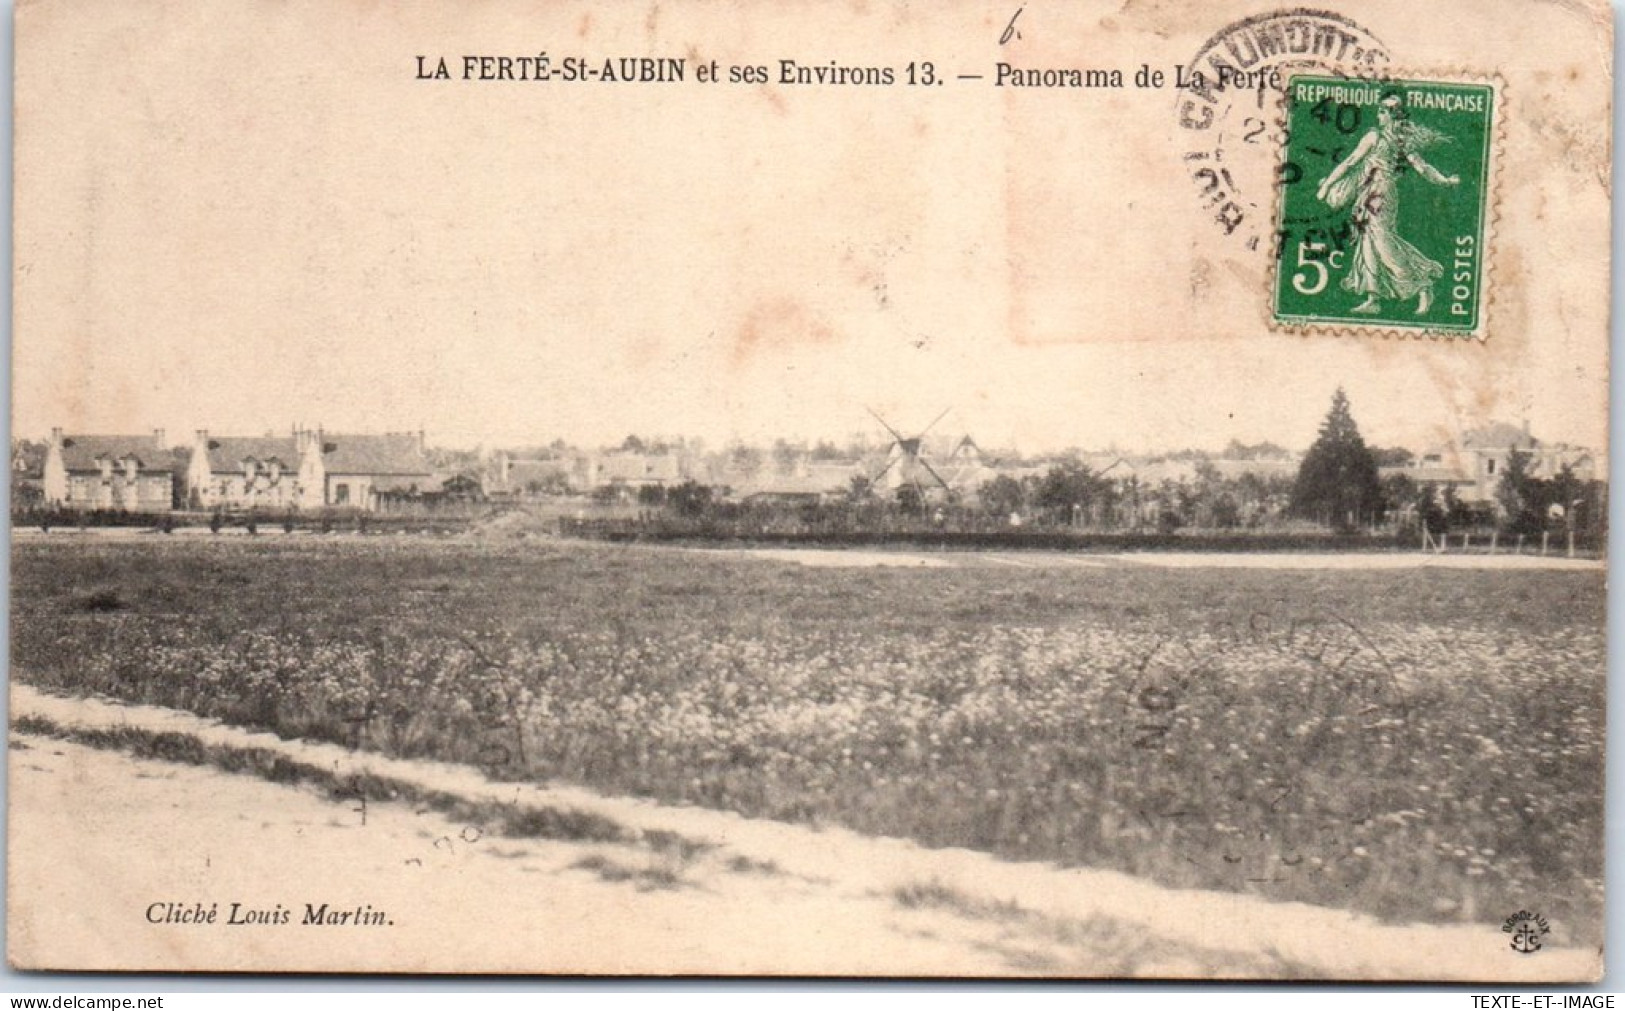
(1337, 482)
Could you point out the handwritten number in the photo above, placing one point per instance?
(1010, 31)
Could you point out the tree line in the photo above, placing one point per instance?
(1338, 486)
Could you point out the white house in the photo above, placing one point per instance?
(129, 473)
(310, 469)
(244, 473)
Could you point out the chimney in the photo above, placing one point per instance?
(56, 437)
(159, 439)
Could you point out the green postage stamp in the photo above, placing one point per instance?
(1385, 205)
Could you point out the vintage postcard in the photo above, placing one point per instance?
(970, 489)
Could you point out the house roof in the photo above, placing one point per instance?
(27, 462)
(966, 449)
(398, 453)
(226, 455)
(1498, 435)
(823, 481)
(85, 452)
(1431, 473)
(639, 467)
(833, 475)
(1157, 471)
(521, 472)
(1233, 469)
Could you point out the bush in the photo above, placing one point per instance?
(103, 601)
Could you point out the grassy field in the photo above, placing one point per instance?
(1420, 745)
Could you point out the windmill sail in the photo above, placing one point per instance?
(905, 460)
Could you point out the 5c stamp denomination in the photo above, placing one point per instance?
(1385, 205)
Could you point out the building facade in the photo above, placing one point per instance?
(365, 471)
(121, 473)
(310, 469)
(1475, 465)
(244, 473)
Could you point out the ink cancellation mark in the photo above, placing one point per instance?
(1265, 828)
(1229, 104)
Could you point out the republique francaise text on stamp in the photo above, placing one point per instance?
(1385, 205)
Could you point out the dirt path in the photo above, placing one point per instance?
(1356, 561)
(913, 558)
(100, 842)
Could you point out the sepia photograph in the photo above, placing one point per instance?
(714, 488)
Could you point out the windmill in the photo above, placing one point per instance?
(905, 461)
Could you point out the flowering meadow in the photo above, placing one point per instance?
(1421, 745)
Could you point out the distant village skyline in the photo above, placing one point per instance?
(739, 271)
(316, 468)
(872, 435)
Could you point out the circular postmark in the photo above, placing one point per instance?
(1244, 739)
(1228, 107)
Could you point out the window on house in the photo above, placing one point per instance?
(1491, 465)
(341, 494)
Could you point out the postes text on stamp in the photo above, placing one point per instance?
(1384, 206)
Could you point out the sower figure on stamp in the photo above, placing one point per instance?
(1385, 265)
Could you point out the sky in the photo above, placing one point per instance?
(245, 219)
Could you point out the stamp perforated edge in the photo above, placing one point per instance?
(1479, 334)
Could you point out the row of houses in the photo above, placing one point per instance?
(307, 469)
(961, 468)
(313, 469)
(1471, 466)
